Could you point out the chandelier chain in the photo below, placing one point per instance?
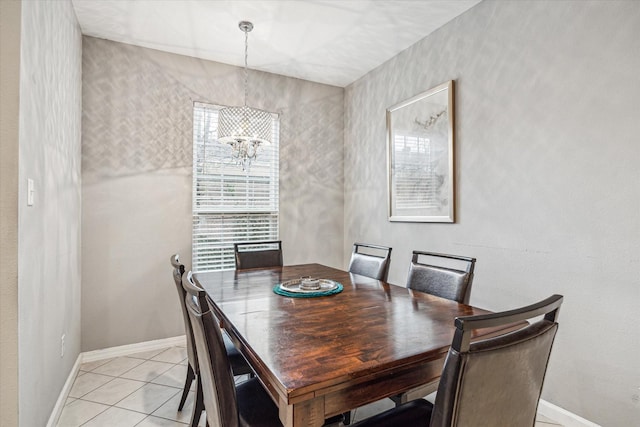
(246, 69)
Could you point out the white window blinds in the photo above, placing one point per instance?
(229, 204)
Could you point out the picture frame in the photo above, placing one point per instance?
(420, 154)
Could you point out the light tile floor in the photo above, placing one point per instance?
(144, 390)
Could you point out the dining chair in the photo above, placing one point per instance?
(491, 382)
(258, 254)
(226, 404)
(445, 281)
(238, 363)
(372, 262)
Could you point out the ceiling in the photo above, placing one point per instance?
(328, 41)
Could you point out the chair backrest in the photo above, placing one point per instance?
(443, 281)
(369, 264)
(178, 271)
(263, 254)
(218, 387)
(497, 381)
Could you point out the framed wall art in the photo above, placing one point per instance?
(420, 137)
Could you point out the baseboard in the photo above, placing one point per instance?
(62, 398)
(124, 350)
(562, 416)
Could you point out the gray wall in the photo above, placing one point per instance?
(136, 179)
(9, 120)
(49, 231)
(548, 183)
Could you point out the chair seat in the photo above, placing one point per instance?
(239, 364)
(416, 413)
(255, 407)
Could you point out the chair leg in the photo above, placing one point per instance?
(187, 385)
(198, 406)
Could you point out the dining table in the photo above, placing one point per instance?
(323, 356)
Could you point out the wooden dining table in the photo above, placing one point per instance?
(322, 356)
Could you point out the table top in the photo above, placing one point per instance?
(307, 345)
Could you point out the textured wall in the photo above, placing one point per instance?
(548, 183)
(136, 179)
(9, 119)
(48, 231)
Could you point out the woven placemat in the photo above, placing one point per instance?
(278, 290)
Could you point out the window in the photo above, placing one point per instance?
(229, 204)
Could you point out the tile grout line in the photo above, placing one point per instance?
(145, 384)
(109, 406)
(66, 404)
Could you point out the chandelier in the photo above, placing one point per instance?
(244, 128)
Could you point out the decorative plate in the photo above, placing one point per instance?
(292, 288)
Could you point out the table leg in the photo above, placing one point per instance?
(309, 413)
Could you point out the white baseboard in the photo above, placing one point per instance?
(124, 350)
(562, 416)
(62, 398)
(106, 353)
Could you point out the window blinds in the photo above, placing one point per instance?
(229, 204)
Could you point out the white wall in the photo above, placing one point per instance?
(48, 231)
(9, 120)
(136, 169)
(548, 178)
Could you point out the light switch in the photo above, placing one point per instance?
(30, 192)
